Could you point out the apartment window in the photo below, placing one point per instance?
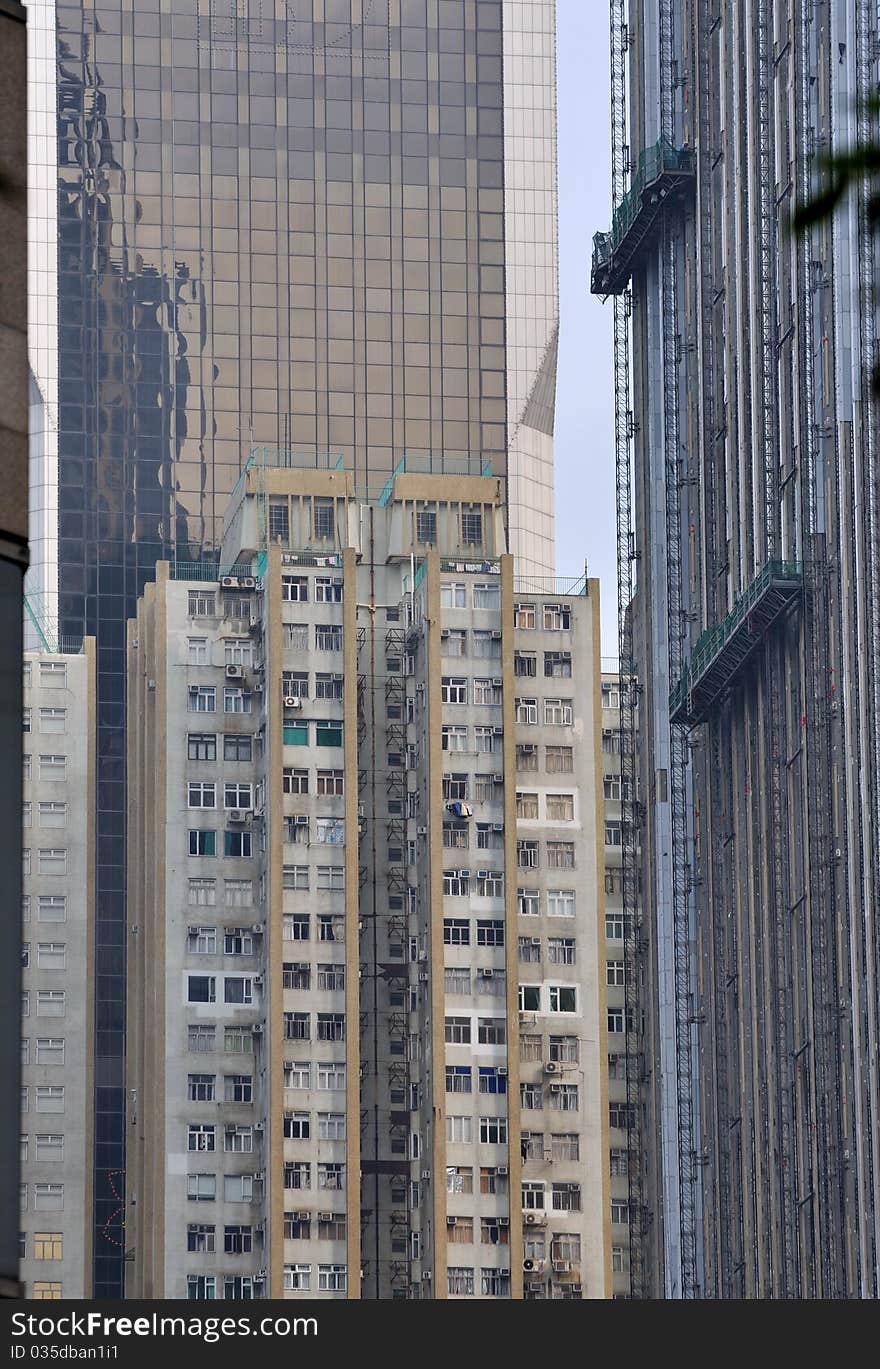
(566, 1197)
(51, 1003)
(453, 642)
(490, 836)
(238, 989)
(238, 1088)
(51, 955)
(558, 712)
(201, 1088)
(328, 686)
(493, 1131)
(459, 1128)
(237, 844)
(491, 1031)
(202, 940)
(614, 973)
(460, 1230)
(197, 651)
(202, 893)
(564, 1049)
(618, 1116)
(456, 884)
(565, 1145)
(459, 1179)
(48, 1245)
(53, 720)
(454, 738)
(237, 795)
(492, 1232)
(529, 950)
(527, 758)
(559, 760)
(490, 884)
(53, 767)
(616, 1020)
(560, 903)
(237, 700)
(453, 690)
(613, 882)
(297, 1026)
(456, 930)
(237, 1240)
(324, 519)
(455, 787)
(331, 1026)
(490, 932)
(331, 1226)
(238, 893)
(331, 978)
(328, 733)
(458, 1031)
(238, 1040)
(238, 1188)
(485, 644)
(25, 720)
(201, 1188)
(564, 1097)
(610, 741)
(49, 1098)
(201, 746)
(202, 699)
(453, 595)
(201, 1038)
(297, 1127)
(201, 794)
(610, 696)
(295, 684)
(560, 855)
(617, 1067)
(561, 950)
(46, 1290)
(619, 1162)
(53, 675)
(526, 711)
(530, 998)
(618, 1259)
(332, 1278)
(426, 526)
(328, 589)
(331, 783)
(297, 1175)
(531, 1096)
(297, 975)
(26, 861)
(455, 838)
(331, 1076)
(527, 855)
(238, 1140)
(557, 617)
(50, 814)
(487, 692)
(459, 1281)
(331, 1126)
(619, 1211)
(237, 746)
(48, 1197)
(27, 811)
(295, 734)
(330, 831)
(458, 1078)
(50, 1050)
(200, 1238)
(528, 902)
(487, 596)
(331, 927)
(526, 806)
(563, 998)
(328, 636)
(557, 665)
(491, 1080)
(294, 589)
(295, 781)
(613, 834)
(52, 860)
(560, 807)
(331, 877)
(238, 651)
(296, 636)
(298, 1278)
(201, 988)
(525, 664)
(201, 1136)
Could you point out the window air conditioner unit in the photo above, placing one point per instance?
(426, 1174)
(528, 1266)
(291, 701)
(258, 981)
(561, 1266)
(247, 582)
(258, 687)
(502, 1169)
(502, 1071)
(259, 1126)
(487, 974)
(302, 1216)
(505, 1273)
(422, 831)
(497, 731)
(496, 634)
(258, 1029)
(235, 672)
(482, 874)
(257, 928)
(423, 976)
(504, 1221)
(498, 680)
(325, 1216)
(551, 1066)
(193, 689)
(192, 931)
(260, 1228)
(426, 1276)
(464, 874)
(229, 582)
(238, 815)
(536, 941)
(262, 1276)
(497, 826)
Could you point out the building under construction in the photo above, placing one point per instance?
(749, 546)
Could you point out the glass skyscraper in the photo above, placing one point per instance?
(326, 226)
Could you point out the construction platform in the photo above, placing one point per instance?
(664, 174)
(722, 652)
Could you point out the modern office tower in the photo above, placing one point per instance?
(13, 564)
(324, 226)
(57, 972)
(748, 425)
(367, 981)
(620, 1031)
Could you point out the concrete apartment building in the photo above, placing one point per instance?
(366, 907)
(58, 913)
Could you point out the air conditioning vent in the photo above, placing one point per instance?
(237, 815)
(235, 672)
(291, 701)
(528, 1266)
(551, 1067)
(258, 1029)
(247, 582)
(229, 582)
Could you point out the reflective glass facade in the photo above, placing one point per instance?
(279, 222)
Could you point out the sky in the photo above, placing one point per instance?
(584, 442)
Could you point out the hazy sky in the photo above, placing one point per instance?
(585, 508)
